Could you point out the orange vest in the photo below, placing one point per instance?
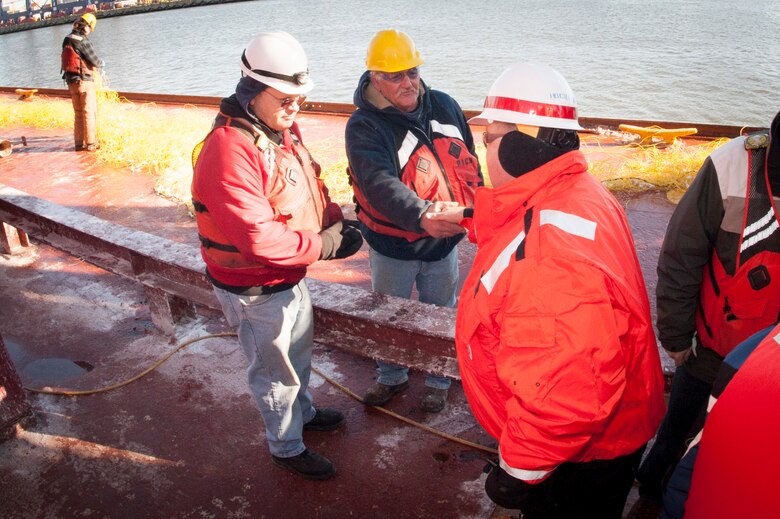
(297, 194)
(70, 59)
(446, 173)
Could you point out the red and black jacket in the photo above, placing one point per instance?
(78, 57)
(719, 267)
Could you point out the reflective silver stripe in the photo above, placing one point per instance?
(755, 226)
(525, 475)
(490, 277)
(759, 235)
(406, 149)
(777, 338)
(571, 223)
(450, 130)
(711, 403)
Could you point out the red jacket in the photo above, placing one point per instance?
(232, 180)
(554, 337)
(735, 474)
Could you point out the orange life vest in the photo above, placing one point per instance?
(71, 60)
(447, 172)
(296, 192)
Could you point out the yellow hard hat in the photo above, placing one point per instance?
(90, 19)
(392, 51)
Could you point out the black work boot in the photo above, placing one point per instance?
(308, 465)
(380, 394)
(433, 400)
(325, 420)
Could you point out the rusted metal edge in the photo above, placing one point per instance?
(392, 329)
(705, 130)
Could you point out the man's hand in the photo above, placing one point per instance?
(441, 227)
(453, 214)
(340, 240)
(679, 357)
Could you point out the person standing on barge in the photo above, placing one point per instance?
(263, 216)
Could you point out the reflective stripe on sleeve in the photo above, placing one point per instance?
(490, 277)
(525, 475)
(571, 223)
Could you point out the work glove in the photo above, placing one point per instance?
(504, 490)
(351, 223)
(340, 241)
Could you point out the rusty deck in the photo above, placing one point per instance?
(186, 441)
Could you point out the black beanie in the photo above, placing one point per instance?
(519, 153)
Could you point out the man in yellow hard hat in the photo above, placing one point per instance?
(80, 63)
(410, 152)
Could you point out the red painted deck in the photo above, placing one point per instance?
(186, 441)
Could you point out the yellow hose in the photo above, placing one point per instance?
(347, 391)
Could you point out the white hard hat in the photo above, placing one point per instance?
(279, 61)
(531, 94)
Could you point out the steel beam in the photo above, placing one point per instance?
(396, 330)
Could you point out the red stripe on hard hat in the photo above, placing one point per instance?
(531, 107)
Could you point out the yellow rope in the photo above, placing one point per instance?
(71, 392)
(405, 419)
(347, 391)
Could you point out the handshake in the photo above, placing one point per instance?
(340, 240)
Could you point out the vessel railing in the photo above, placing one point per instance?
(704, 130)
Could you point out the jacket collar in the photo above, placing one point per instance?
(494, 207)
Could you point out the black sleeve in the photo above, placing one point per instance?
(87, 53)
(686, 250)
(375, 170)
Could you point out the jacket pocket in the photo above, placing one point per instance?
(527, 360)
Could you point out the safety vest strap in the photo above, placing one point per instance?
(211, 244)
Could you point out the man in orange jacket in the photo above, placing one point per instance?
(554, 338)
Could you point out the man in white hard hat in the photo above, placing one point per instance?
(80, 64)
(263, 216)
(410, 152)
(554, 337)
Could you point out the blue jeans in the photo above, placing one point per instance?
(437, 283)
(275, 332)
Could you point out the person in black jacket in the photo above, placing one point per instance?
(410, 151)
(718, 283)
(80, 64)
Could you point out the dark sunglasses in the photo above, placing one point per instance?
(287, 101)
(397, 77)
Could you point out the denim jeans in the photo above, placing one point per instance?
(275, 332)
(437, 283)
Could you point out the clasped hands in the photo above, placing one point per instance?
(442, 219)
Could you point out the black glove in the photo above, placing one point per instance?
(339, 241)
(505, 490)
(351, 241)
(351, 223)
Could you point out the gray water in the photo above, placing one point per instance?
(708, 61)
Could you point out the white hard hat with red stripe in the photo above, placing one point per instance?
(531, 94)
